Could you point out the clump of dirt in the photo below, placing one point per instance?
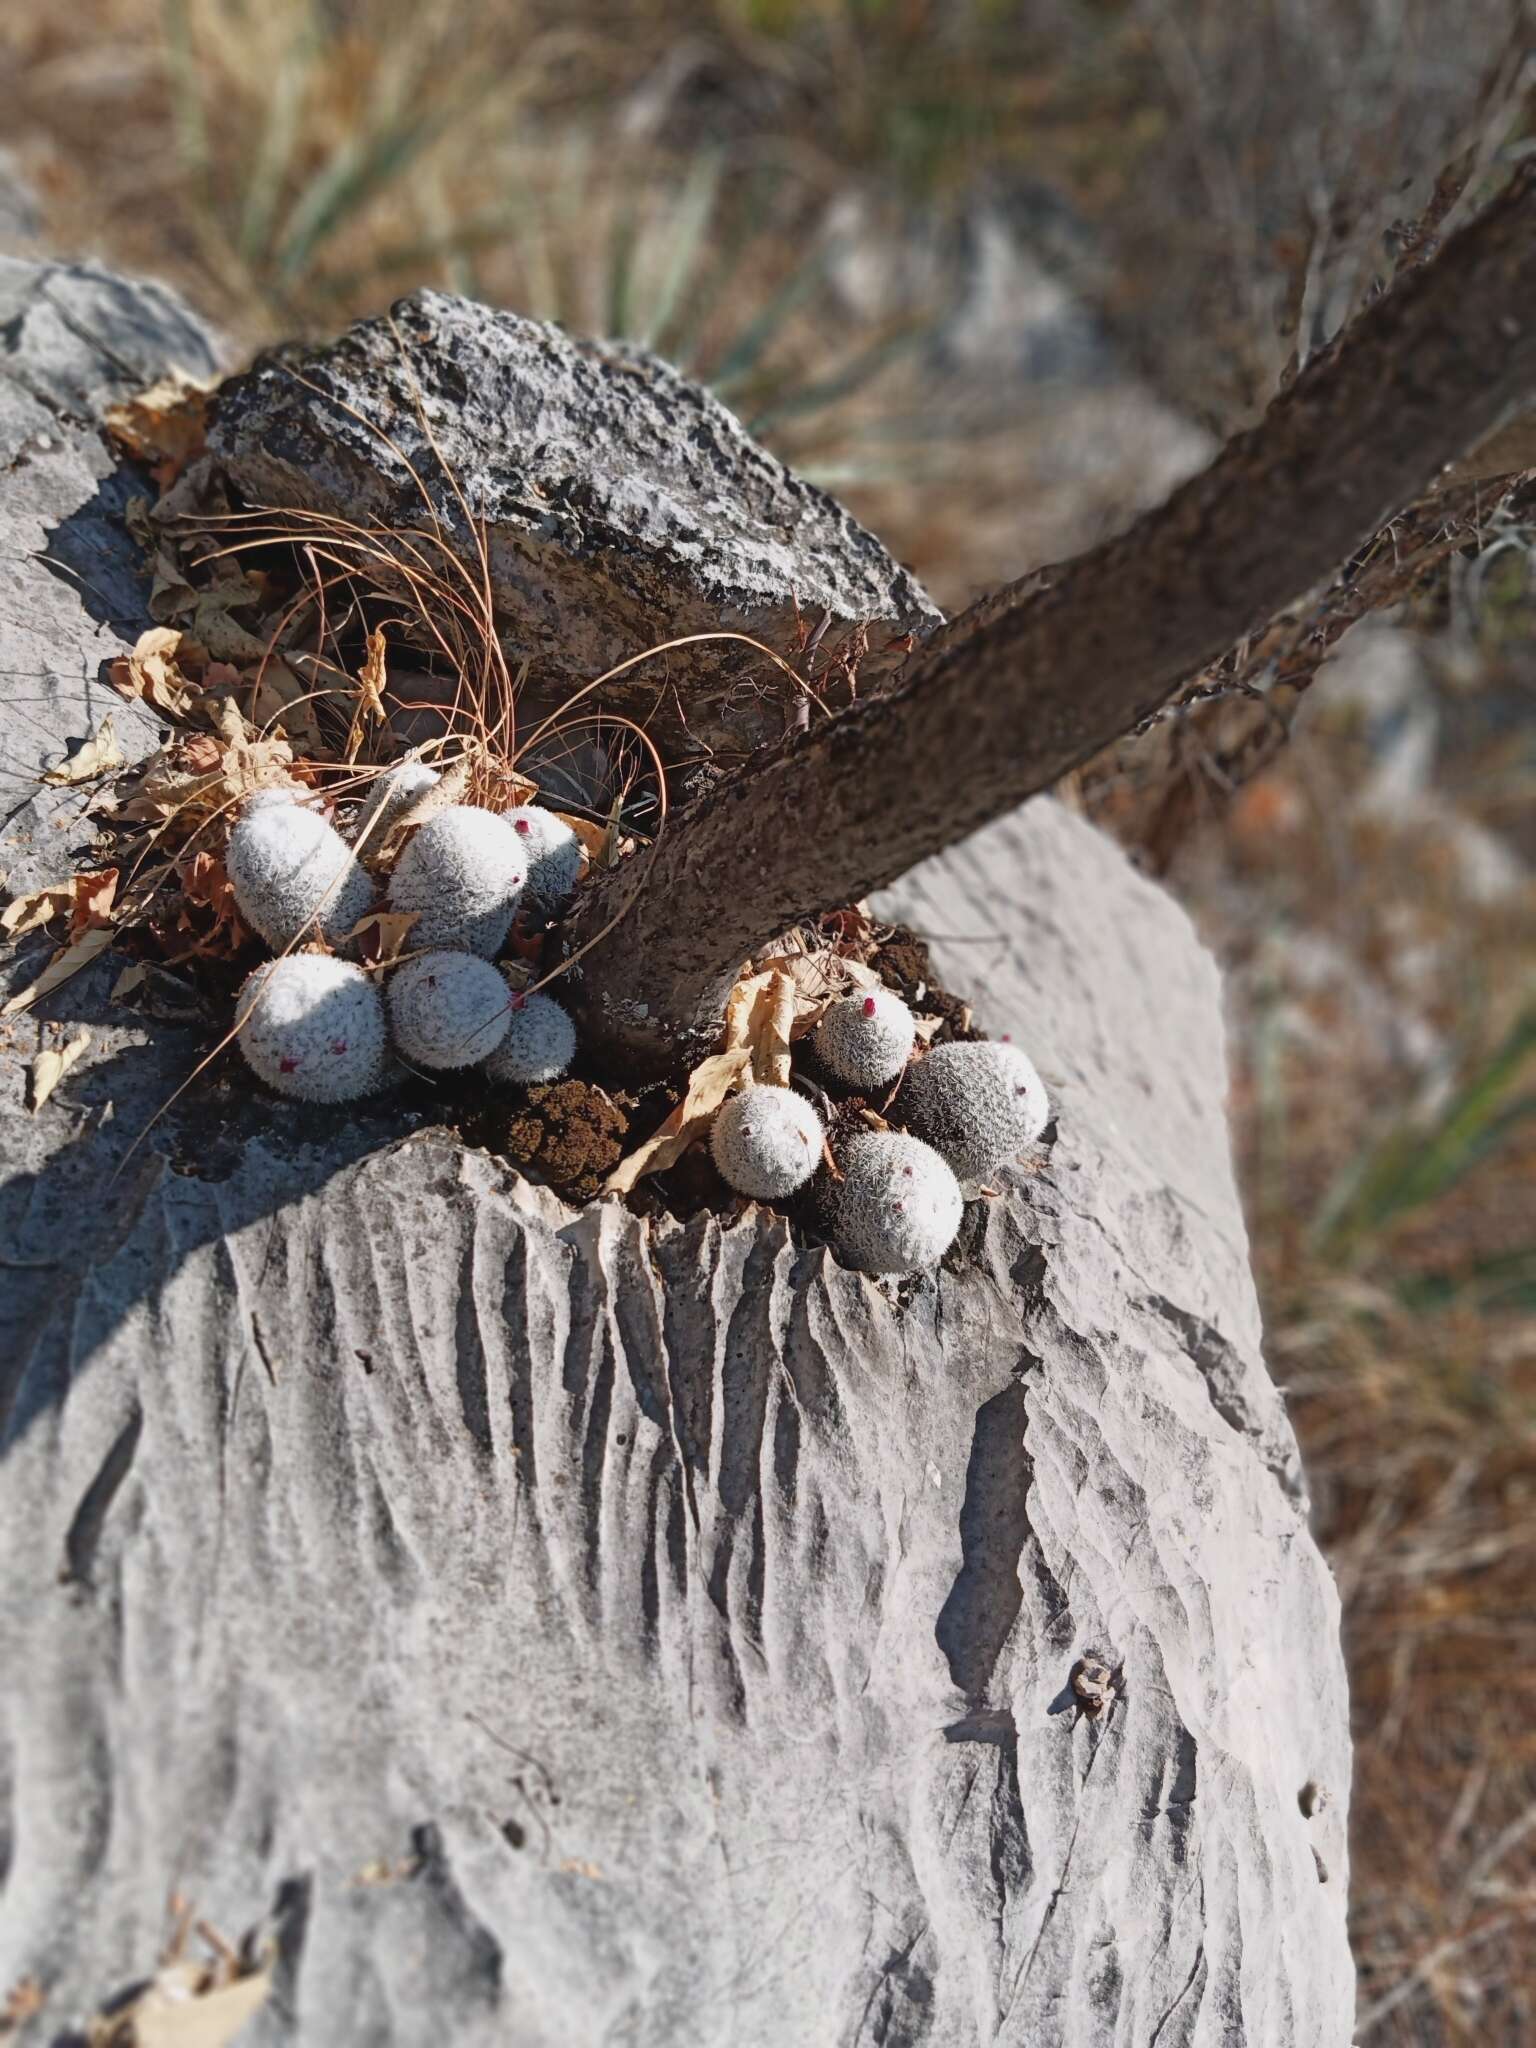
(569, 1134)
(902, 963)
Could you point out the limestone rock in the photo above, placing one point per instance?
(558, 1626)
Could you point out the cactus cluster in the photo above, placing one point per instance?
(313, 1027)
(895, 1199)
(766, 1142)
(293, 877)
(320, 1030)
(977, 1104)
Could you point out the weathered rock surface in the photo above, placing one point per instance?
(561, 1627)
(621, 505)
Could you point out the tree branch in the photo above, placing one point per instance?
(1031, 681)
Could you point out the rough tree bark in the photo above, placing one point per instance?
(1036, 678)
(556, 1626)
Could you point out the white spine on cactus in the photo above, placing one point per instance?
(313, 1028)
(899, 1205)
(978, 1104)
(462, 874)
(539, 1045)
(766, 1142)
(447, 1009)
(293, 877)
(866, 1039)
(554, 856)
(388, 797)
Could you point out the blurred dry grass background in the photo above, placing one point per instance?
(998, 270)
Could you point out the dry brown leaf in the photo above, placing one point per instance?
(153, 673)
(371, 678)
(594, 838)
(132, 978)
(86, 898)
(25, 913)
(383, 936)
(746, 1023)
(772, 1023)
(23, 2002)
(69, 960)
(99, 756)
(52, 1064)
(206, 887)
(708, 1086)
(925, 1028)
(194, 777)
(164, 425)
(185, 2006)
(92, 899)
(739, 1006)
(448, 789)
(283, 701)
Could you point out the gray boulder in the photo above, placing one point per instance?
(552, 1626)
(621, 506)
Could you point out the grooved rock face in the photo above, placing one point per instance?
(622, 505)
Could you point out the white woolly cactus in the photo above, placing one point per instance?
(293, 877)
(866, 1039)
(766, 1142)
(387, 797)
(447, 1009)
(313, 1028)
(265, 799)
(553, 853)
(540, 1043)
(462, 874)
(979, 1104)
(899, 1205)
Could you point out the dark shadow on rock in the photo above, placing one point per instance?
(984, 1601)
(224, 1156)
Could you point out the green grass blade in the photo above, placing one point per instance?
(686, 232)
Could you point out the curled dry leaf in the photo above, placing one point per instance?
(279, 698)
(190, 780)
(53, 1063)
(371, 678)
(85, 899)
(164, 425)
(207, 915)
(154, 673)
(383, 937)
(184, 2005)
(41, 906)
(69, 960)
(23, 2002)
(708, 1086)
(449, 788)
(594, 838)
(99, 756)
(772, 1023)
